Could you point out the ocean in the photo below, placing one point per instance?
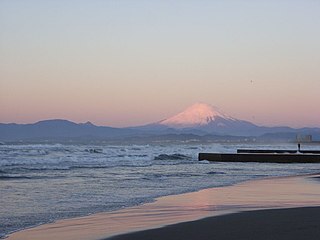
(41, 183)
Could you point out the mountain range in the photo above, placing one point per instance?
(198, 121)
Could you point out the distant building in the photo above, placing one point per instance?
(304, 138)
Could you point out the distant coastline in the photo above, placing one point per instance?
(65, 131)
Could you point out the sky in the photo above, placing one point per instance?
(124, 63)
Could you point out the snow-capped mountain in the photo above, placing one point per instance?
(197, 115)
(206, 118)
(202, 119)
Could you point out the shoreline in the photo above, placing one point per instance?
(267, 193)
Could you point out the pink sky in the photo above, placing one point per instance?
(121, 65)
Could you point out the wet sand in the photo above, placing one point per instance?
(275, 193)
(279, 224)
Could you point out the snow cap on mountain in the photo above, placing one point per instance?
(198, 114)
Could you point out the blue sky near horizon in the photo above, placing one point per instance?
(123, 63)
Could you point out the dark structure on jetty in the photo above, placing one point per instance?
(264, 156)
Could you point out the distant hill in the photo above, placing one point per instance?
(60, 129)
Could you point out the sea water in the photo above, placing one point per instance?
(41, 183)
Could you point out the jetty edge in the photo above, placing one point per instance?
(264, 156)
(276, 151)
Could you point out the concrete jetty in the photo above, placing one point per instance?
(263, 157)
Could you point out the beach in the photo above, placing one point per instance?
(272, 208)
